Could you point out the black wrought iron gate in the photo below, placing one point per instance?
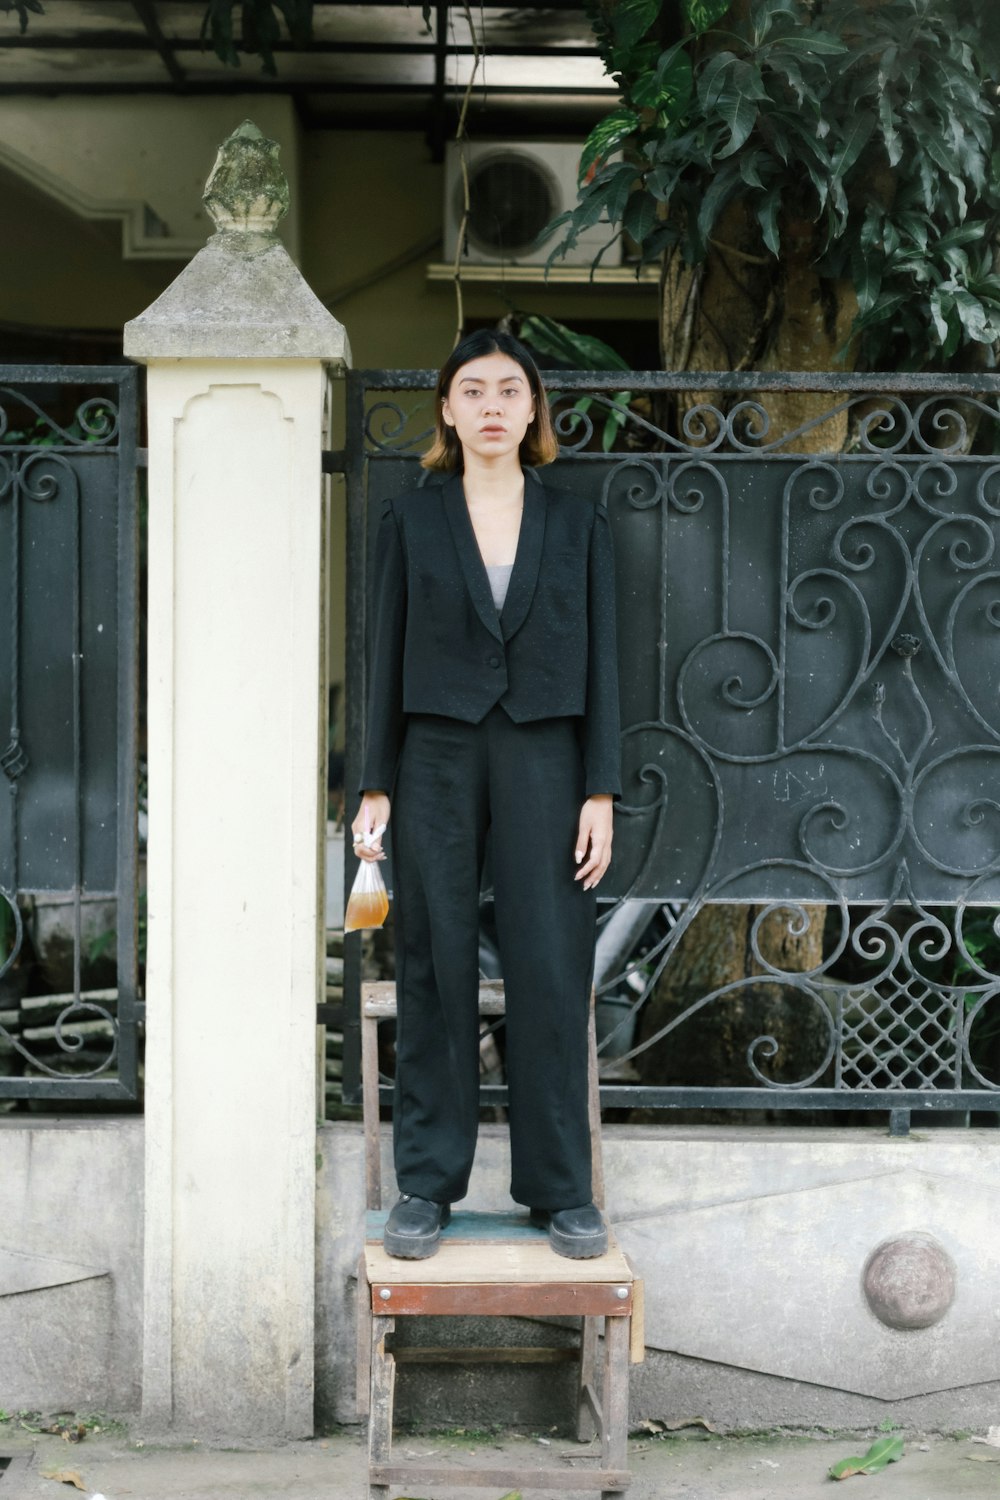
(810, 685)
(68, 694)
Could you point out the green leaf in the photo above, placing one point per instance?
(820, 43)
(939, 304)
(737, 104)
(884, 309)
(973, 317)
(662, 181)
(713, 80)
(720, 190)
(640, 215)
(750, 168)
(674, 81)
(576, 351)
(890, 135)
(606, 136)
(617, 195)
(218, 23)
(701, 14)
(866, 273)
(962, 234)
(767, 217)
(986, 288)
(631, 19)
(882, 1453)
(22, 7)
(852, 143)
(644, 92)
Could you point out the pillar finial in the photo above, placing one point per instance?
(247, 192)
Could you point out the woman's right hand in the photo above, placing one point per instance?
(374, 810)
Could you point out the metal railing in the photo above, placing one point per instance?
(69, 1006)
(809, 648)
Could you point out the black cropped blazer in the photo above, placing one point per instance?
(438, 646)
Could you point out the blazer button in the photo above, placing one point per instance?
(494, 661)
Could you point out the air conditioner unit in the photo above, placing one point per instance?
(515, 189)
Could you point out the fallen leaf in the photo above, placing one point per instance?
(683, 1422)
(649, 1426)
(74, 1432)
(65, 1476)
(982, 1458)
(886, 1451)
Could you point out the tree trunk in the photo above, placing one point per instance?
(743, 310)
(711, 1048)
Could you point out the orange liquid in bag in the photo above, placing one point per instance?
(366, 909)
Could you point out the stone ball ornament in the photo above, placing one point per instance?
(909, 1281)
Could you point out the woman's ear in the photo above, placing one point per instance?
(446, 414)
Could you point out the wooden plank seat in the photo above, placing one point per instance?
(492, 1265)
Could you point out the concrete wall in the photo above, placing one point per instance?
(71, 1205)
(753, 1244)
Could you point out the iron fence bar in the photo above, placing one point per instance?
(130, 1011)
(357, 613)
(873, 383)
(643, 1096)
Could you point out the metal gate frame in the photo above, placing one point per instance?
(381, 431)
(115, 391)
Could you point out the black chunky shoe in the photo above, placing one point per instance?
(414, 1227)
(579, 1233)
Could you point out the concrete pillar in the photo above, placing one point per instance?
(238, 350)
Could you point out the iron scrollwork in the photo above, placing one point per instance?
(61, 454)
(809, 651)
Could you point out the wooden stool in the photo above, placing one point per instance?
(491, 1265)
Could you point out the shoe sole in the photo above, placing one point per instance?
(576, 1247)
(414, 1246)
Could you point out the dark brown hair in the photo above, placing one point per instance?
(539, 444)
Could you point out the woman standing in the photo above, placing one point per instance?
(493, 706)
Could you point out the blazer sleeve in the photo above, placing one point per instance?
(601, 728)
(387, 630)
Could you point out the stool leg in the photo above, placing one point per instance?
(586, 1394)
(614, 1398)
(364, 1340)
(380, 1411)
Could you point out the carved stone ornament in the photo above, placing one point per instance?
(909, 1281)
(247, 191)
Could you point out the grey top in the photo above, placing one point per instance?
(499, 576)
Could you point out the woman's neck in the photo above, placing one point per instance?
(490, 484)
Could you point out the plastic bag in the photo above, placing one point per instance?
(368, 903)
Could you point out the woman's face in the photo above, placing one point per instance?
(489, 404)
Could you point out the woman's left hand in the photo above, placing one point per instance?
(593, 840)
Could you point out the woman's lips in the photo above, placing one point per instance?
(492, 431)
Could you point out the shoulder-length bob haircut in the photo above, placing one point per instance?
(539, 444)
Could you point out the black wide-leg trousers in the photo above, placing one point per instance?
(524, 784)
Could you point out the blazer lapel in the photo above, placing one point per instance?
(466, 546)
(524, 576)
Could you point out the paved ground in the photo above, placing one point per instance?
(118, 1466)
